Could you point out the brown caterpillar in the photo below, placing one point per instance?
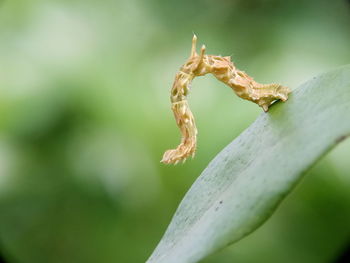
(224, 70)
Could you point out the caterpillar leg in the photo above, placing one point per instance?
(266, 95)
(181, 153)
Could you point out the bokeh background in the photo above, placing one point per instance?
(85, 118)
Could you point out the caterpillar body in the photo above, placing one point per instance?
(225, 71)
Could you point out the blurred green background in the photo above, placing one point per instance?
(85, 119)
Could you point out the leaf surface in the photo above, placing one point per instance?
(245, 182)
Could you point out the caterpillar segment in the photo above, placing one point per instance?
(225, 71)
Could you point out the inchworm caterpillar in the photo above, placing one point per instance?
(224, 70)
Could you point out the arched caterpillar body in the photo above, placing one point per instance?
(224, 70)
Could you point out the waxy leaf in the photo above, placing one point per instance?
(245, 182)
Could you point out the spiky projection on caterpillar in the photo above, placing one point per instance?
(224, 70)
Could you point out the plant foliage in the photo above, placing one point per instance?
(245, 182)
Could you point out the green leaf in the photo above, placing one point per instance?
(247, 180)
